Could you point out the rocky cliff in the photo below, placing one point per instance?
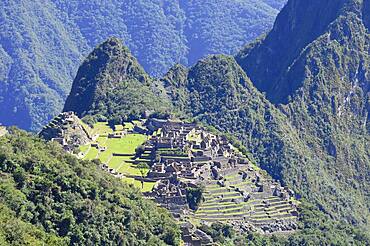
(314, 66)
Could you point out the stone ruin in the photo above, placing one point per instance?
(185, 155)
(67, 130)
(236, 191)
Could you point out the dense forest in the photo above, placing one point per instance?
(42, 43)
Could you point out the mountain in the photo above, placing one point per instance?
(111, 83)
(314, 66)
(218, 92)
(311, 130)
(42, 43)
(38, 57)
(50, 197)
(298, 99)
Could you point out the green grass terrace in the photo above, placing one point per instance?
(119, 153)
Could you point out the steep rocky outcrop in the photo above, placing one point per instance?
(297, 25)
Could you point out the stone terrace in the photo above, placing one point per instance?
(234, 190)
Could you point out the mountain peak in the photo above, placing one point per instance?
(299, 24)
(108, 69)
(112, 41)
(112, 47)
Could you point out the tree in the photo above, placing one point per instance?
(143, 167)
(194, 196)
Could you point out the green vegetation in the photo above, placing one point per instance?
(132, 169)
(102, 128)
(84, 148)
(111, 84)
(92, 154)
(126, 146)
(14, 231)
(171, 152)
(102, 140)
(117, 161)
(218, 93)
(42, 43)
(305, 142)
(310, 129)
(148, 186)
(194, 197)
(70, 200)
(321, 84)
(143, 169)
(316, 229)
(311, 160)
(219, 232)
(39, 52)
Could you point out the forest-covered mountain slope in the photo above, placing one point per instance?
(316, 140)
(217, 91)
(220, 94)
(49, 197)
(322, 84)
(112, 83)
(43, 42)
(38, 57)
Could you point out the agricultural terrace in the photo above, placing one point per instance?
(117, 153)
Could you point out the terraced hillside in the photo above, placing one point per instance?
(201, 177)
(115, 148)
(236, 198)
(197, 175)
